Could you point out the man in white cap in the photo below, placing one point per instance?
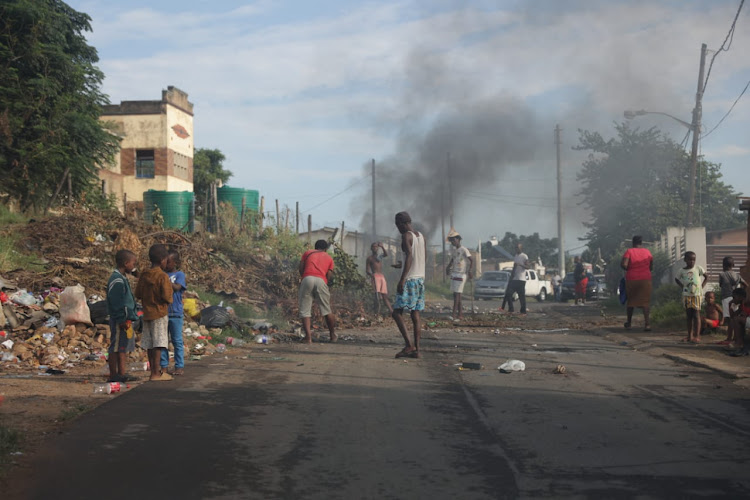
(459, 268)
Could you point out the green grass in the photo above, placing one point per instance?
(73, 412)
(11, 258)
(10, 441)
(7, 217)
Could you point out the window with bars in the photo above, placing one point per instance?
(144, 164)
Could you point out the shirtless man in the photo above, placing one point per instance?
(410, 289)
(374, 269)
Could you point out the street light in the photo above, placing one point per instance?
(632, 114)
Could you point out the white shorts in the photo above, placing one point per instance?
(725, 306)
(458, 280)
(155, 333)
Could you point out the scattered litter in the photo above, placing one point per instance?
(559, 369)
(470, 366)
(512, 365)
(262, 339)
(8, 344)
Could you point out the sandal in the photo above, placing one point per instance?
(405, 353)
(163, 377)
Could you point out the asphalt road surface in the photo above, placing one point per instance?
(349, 421)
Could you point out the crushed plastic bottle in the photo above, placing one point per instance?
(235, 342)
(107, 388)
(262, 339)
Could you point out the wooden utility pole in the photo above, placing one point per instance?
(341, 238)
(696, 126)
(442, 222)
(262, 212)
(450, 188)
(374, 228)
(278, 217)
(309, 229)
(296, 220)
(560, 237)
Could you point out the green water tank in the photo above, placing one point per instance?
(176, 207)
(232, 196)
(252, 200)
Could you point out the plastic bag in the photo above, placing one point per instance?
(215, 317)
(190, 306)
(73, 306)
(512, 365)
(99, 312)
(622, 291)
(23, 298)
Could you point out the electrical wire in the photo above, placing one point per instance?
(703, 136)
(335, 195)
(730, 38)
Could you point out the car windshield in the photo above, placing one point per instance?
(495, 277)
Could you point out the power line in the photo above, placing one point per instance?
(730, 38)
(727, 113)
(334, 196)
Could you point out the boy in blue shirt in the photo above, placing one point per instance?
(121, 309)
(175, 313)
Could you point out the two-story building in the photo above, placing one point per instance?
(156, 147)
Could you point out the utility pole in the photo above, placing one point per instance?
(374, 229)
(296, 220)
(442, 222)
(560, 243)
(450, 188)
(696, 126)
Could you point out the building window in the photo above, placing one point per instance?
(144, 164)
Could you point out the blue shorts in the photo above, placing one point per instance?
(118, 339)
(412, 298)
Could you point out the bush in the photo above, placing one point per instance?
(666, 294)
(666, 306)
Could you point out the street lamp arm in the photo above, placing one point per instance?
(632, 114)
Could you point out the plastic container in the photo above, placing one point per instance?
(262, 339)
(107, 388)
(235, 342)
(177, 208)
(220, 348)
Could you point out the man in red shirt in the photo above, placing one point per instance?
(315, 268)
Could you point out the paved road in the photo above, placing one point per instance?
(348, 420)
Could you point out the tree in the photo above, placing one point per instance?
(207, 168)
(638, 183)
(50, 101)
(533, 246)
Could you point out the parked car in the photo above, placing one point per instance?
(491, 285)
(593, 288)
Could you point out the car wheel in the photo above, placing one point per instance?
(542, 295)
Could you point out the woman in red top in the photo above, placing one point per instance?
(638, 264)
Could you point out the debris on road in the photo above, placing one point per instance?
(512, 365)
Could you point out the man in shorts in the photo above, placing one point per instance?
(410, 289)
(316, 268)
(459, 269)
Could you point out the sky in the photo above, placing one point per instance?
(301, 96)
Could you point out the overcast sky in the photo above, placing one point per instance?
(301, 95)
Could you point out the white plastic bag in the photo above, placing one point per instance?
(73, 306)
(22, 298)
(512, 365)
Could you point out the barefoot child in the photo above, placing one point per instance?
(155, 292)
(692, 279)
(713, 313)
(121, 309)
(410, 288)
(175, 314)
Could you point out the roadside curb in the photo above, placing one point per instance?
(724, 369)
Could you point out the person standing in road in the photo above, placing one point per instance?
(638, 264)
(121, 309)
(459, 269)
(728, 281)
(316, 268)
(518, 279)
(410, 289)
(582, 281)
(155, 291)
(374, 269)
(557, 286)
(175, 315)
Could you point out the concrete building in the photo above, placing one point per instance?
(156, 146)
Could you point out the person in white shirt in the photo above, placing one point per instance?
(459, 269)
(518, 279)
